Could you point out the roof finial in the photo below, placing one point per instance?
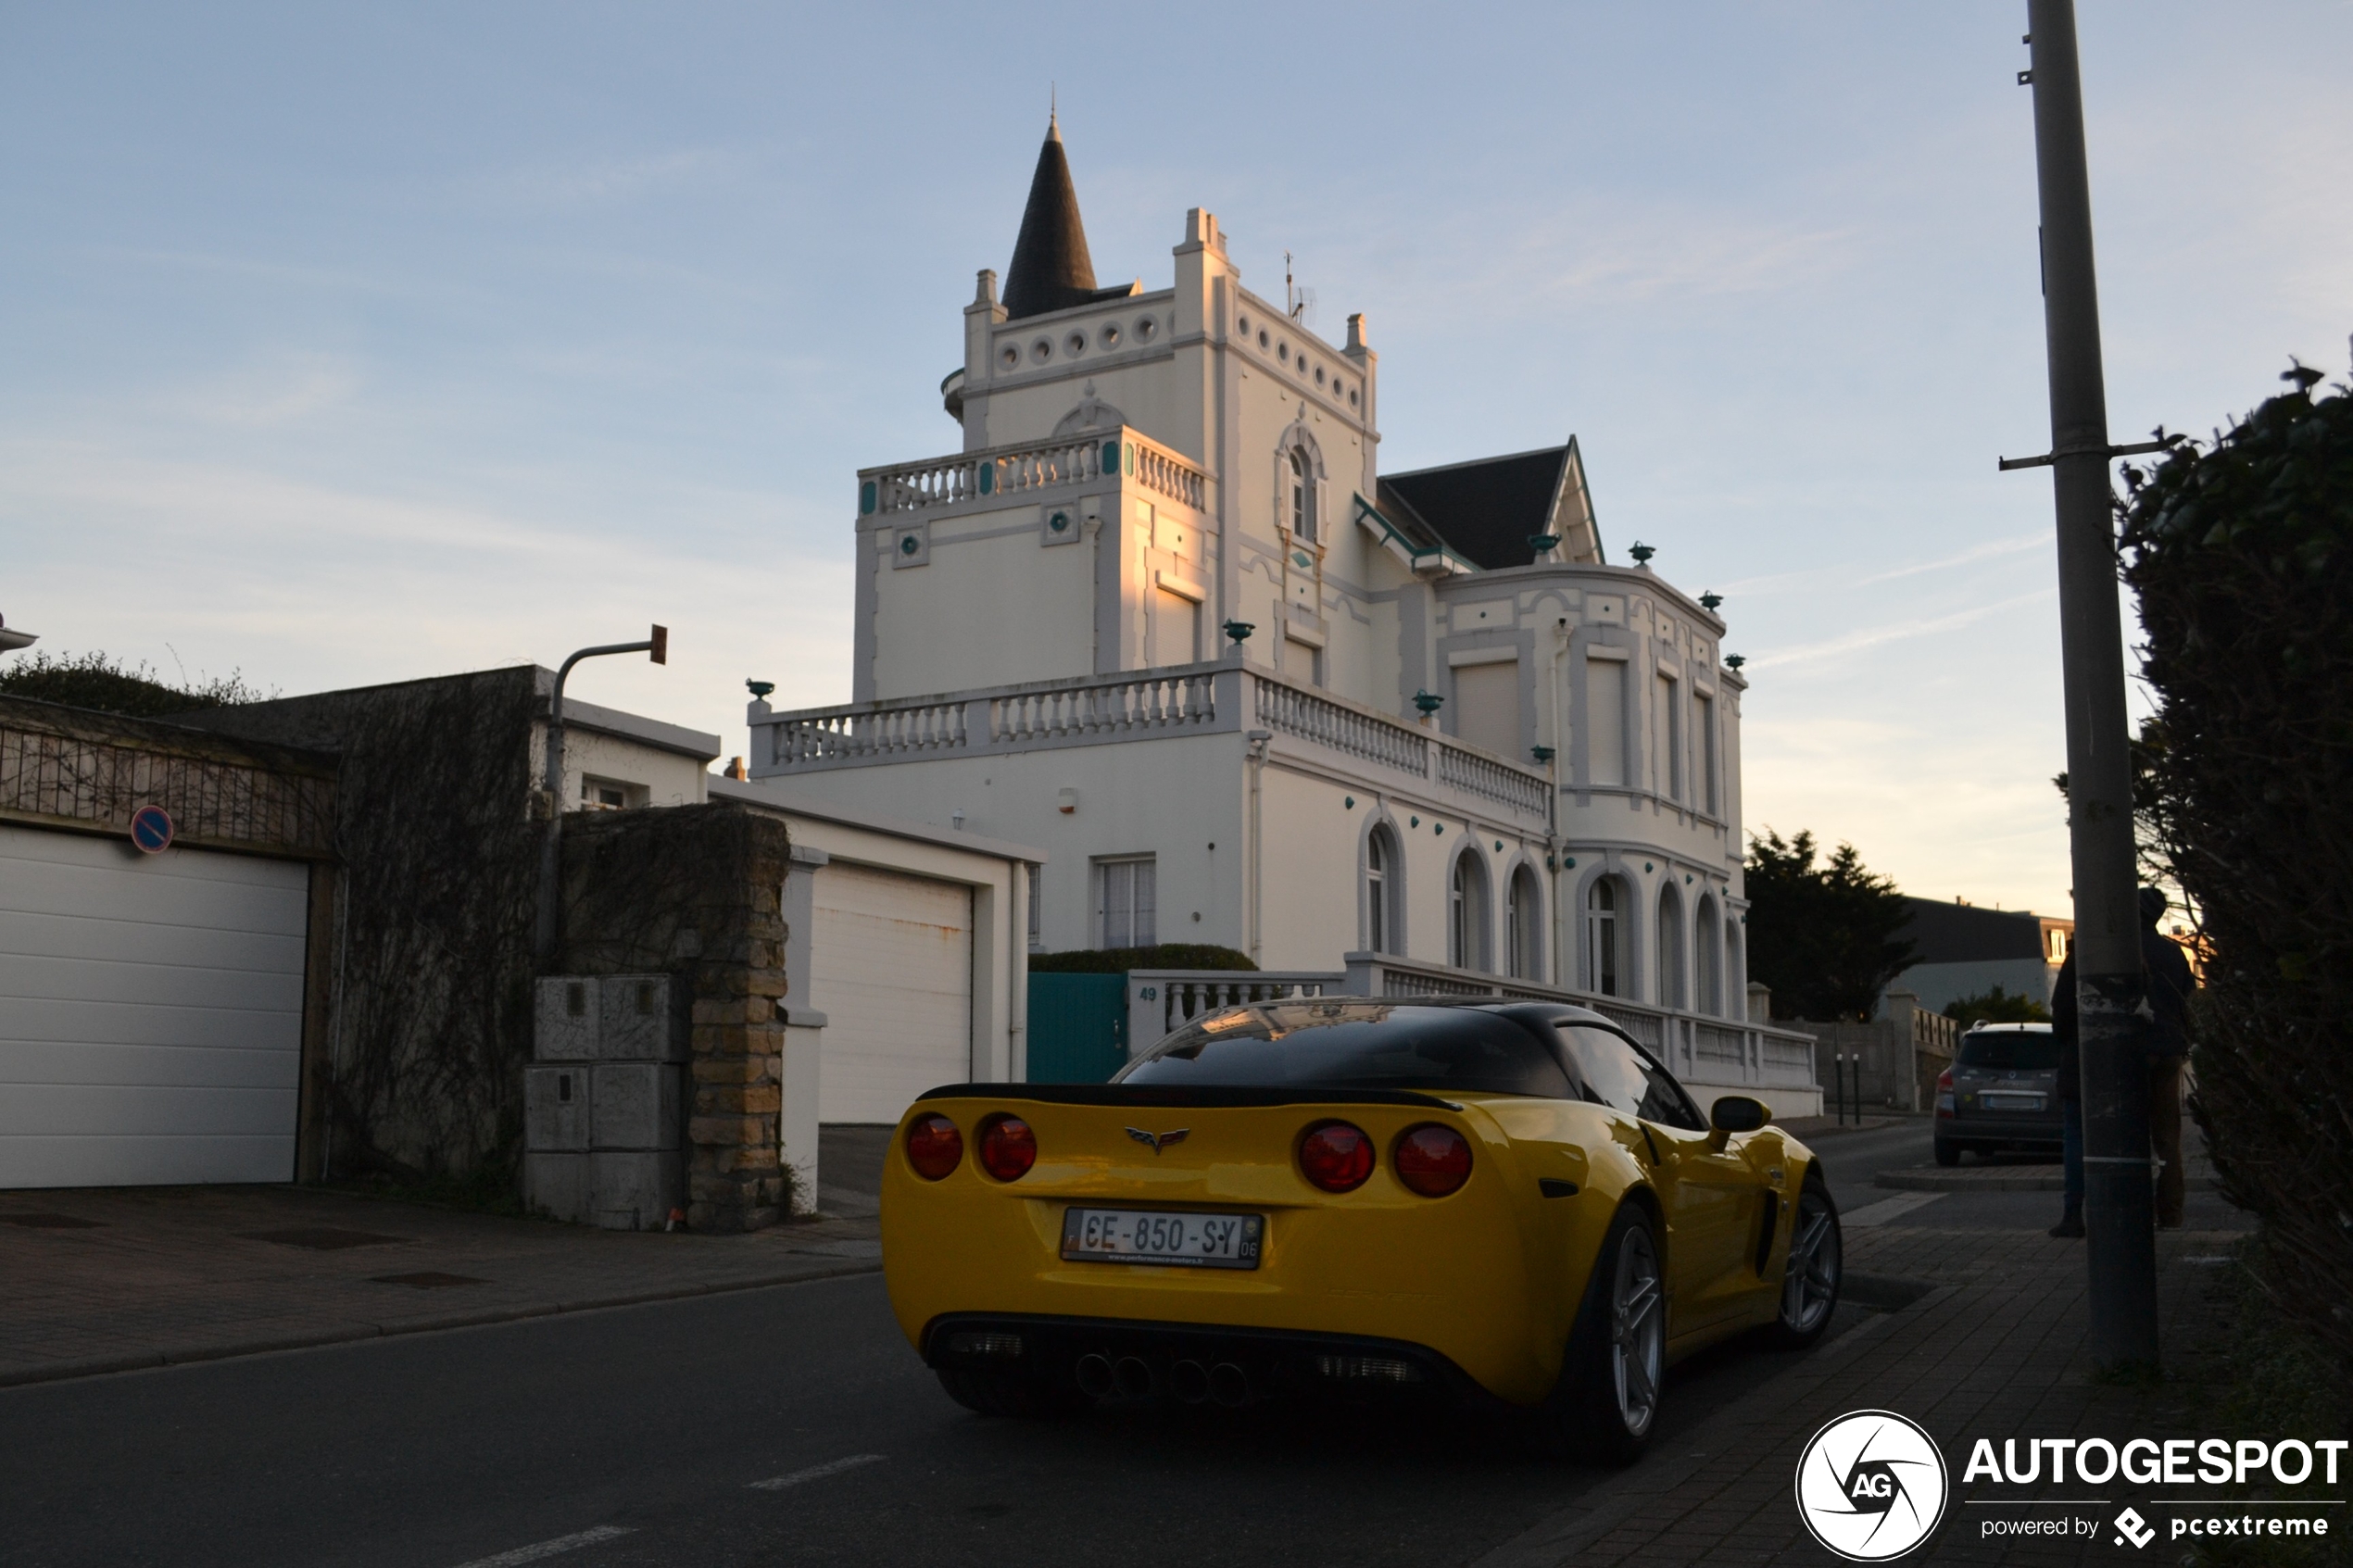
(1053, 108)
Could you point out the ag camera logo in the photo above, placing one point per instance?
(1871, 1486)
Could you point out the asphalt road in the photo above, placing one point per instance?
(656, 1424)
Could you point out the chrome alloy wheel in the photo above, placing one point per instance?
(1638, 1331)
(1810, 1281)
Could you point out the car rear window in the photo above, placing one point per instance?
(2023, 1050)
(1356, 1044)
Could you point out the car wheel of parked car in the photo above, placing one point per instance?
(1810, 1279)
(1010, 1393)
(1606, 1400)
(1947, 1152)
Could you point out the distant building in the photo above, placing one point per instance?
(1962, 950)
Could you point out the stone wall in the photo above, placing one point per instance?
(1901, 1053)
(696, 892)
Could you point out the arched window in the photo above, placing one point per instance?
(1708, 972)
(1601, 936)
(1670, 949)
(1466, 913)
(1526, 915)
(1381, 891)
(1735, 976)
(1303, 498)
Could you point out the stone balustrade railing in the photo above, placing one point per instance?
(1095, 709)
(977, 477)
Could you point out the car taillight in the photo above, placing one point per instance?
(1433, 1160)
(1336, 1156)
(934, 1146)
(1944, 1093)
(1007, 1148)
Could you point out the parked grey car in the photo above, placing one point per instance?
(2001, 1093)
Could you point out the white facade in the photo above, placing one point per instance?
(1040, 656)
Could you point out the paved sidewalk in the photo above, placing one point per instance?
(2022, 1175)
(107, 1280)
(1995, 1349)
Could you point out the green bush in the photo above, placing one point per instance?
(2242, 552)
(107, 684)
(1119, 961)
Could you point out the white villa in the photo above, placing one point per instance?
(1163, 616)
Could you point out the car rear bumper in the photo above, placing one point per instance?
(2041, 1130)
(1276, 1363)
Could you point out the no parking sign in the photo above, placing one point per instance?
(151, 829)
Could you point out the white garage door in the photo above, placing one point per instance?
(891, 967)
(150, 1013)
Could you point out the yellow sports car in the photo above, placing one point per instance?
(1508, 1205)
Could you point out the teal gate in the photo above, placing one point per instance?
(1077, 1027)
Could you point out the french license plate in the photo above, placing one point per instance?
(1157, 1235)
(1996, 1100)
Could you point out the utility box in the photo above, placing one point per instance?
(634, 1106)
(634, 1019)
(565, 1024)
(634, 1191)
(602, 1103)
(556, 1108)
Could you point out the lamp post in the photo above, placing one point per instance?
(549, 933)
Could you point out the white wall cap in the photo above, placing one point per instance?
(767, 793)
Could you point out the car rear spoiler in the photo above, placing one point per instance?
(1178, 1094)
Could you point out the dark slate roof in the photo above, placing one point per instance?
(1484, 510)
(1965, 934)
(1050, 270)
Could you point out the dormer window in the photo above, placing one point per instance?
(1303, 499)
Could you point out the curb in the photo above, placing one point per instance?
(1983, 1179)
(146, 1360)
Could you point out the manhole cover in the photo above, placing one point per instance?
(428, 1279)
(321, 1238)
(52, 1221)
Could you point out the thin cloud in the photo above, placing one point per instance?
(1874, 636)
(1991, 549)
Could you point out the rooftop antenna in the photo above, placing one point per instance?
(1299, 302)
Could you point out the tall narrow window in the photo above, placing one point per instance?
(1670, 950)
(1125, 903)
(1704, 720)
(1601, 936)
(1667, 742)
(1526, 916)
(1037, 911)
(1466, 914)
(1605, 721)
(1708, 976)
(1303, 498)
(1379, 856)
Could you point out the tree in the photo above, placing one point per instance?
(2241, 550)
(110, 685)
(1997, 1006)
(1823, 937)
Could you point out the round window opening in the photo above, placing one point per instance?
(1352, 397)
(1009, 355)
(910, 544)
(1262, 337)
(1242, 325)
(1042, 349)
(1076, 343)
(1319, 375)
(1145, 328)
(1110, 336)
(1283, 353)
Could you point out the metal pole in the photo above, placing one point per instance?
(2118, 1212)
(547, 932)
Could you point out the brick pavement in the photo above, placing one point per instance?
(156, 1275)
(1995, 1349)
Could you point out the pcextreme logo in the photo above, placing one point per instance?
(1871, 1486)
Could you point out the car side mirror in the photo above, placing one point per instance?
(1735, 1113)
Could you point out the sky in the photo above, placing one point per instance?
(342, 345)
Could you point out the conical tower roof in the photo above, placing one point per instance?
(1051, 270)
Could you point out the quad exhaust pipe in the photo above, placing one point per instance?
(1191, 1382)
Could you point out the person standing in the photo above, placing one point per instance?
(2171, 984)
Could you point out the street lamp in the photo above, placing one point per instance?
(550, 923)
